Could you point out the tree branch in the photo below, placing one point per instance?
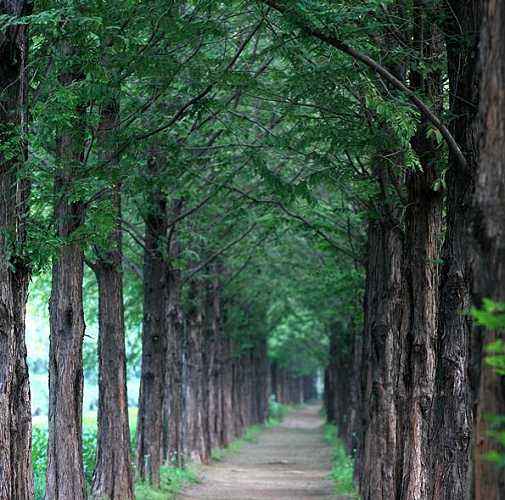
(377, 68)
(215, 255)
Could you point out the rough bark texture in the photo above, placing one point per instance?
(176, 360)
(423, 235)
(386, 323)
(212, 359)
(489, 232)
(154, 340)
(113, 477)
(452, 417)
(65, 475)
(356, 408)
(194, 390)
(226, 383)
(424, 226)
(15, 416)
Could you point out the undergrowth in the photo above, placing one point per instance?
(342, 471)
(172, 481)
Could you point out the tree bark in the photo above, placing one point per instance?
(387, 319)
(424, 225)
(154, 338)
(226, 384)
(423, 234)
(330, 380)
(213, 357)
(452, 416)
(65, 475)
(176, 357)
(195, 390)
(112, 478)
(15, 412)
(489, 233)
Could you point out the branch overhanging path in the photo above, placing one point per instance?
(338, 44)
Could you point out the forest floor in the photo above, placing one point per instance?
(290, 461)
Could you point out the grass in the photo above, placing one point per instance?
(342, 471)
(172, 481)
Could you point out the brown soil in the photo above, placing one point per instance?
(291, 461)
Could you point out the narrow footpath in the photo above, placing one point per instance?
(291, 461)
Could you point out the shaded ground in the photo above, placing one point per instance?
(291, 461)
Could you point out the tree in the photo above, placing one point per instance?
(488, 231)
(15, 267)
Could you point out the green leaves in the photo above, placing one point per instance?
(491, 315)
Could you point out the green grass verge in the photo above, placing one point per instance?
(342, 471)
(172, 481)
(250, 436)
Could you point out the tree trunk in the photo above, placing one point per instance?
(154, 339)
(195, 394)
(423, 234)
(15, 412)
(213, 358)
(226, 383)
(176, 357)
(330, 380)
(65, 475)
(424, 218)
(356, 407)
(452, 416)
(112, 478)
(489, 231)
(386, 323)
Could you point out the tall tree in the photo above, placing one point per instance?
(65, 474)
(489, 232)
(423, 220)
(15, 411)
(113, 476)
(154, 330)
(452, 424)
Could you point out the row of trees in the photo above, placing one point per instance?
(118, 127)
(239, 176)
(424, 397)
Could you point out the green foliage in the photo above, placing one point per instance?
(39, 460)
(39, 456)
(492, 317)
(342, 471)
(172, 480)
(276, 411)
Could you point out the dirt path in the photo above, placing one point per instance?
(291, 461)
